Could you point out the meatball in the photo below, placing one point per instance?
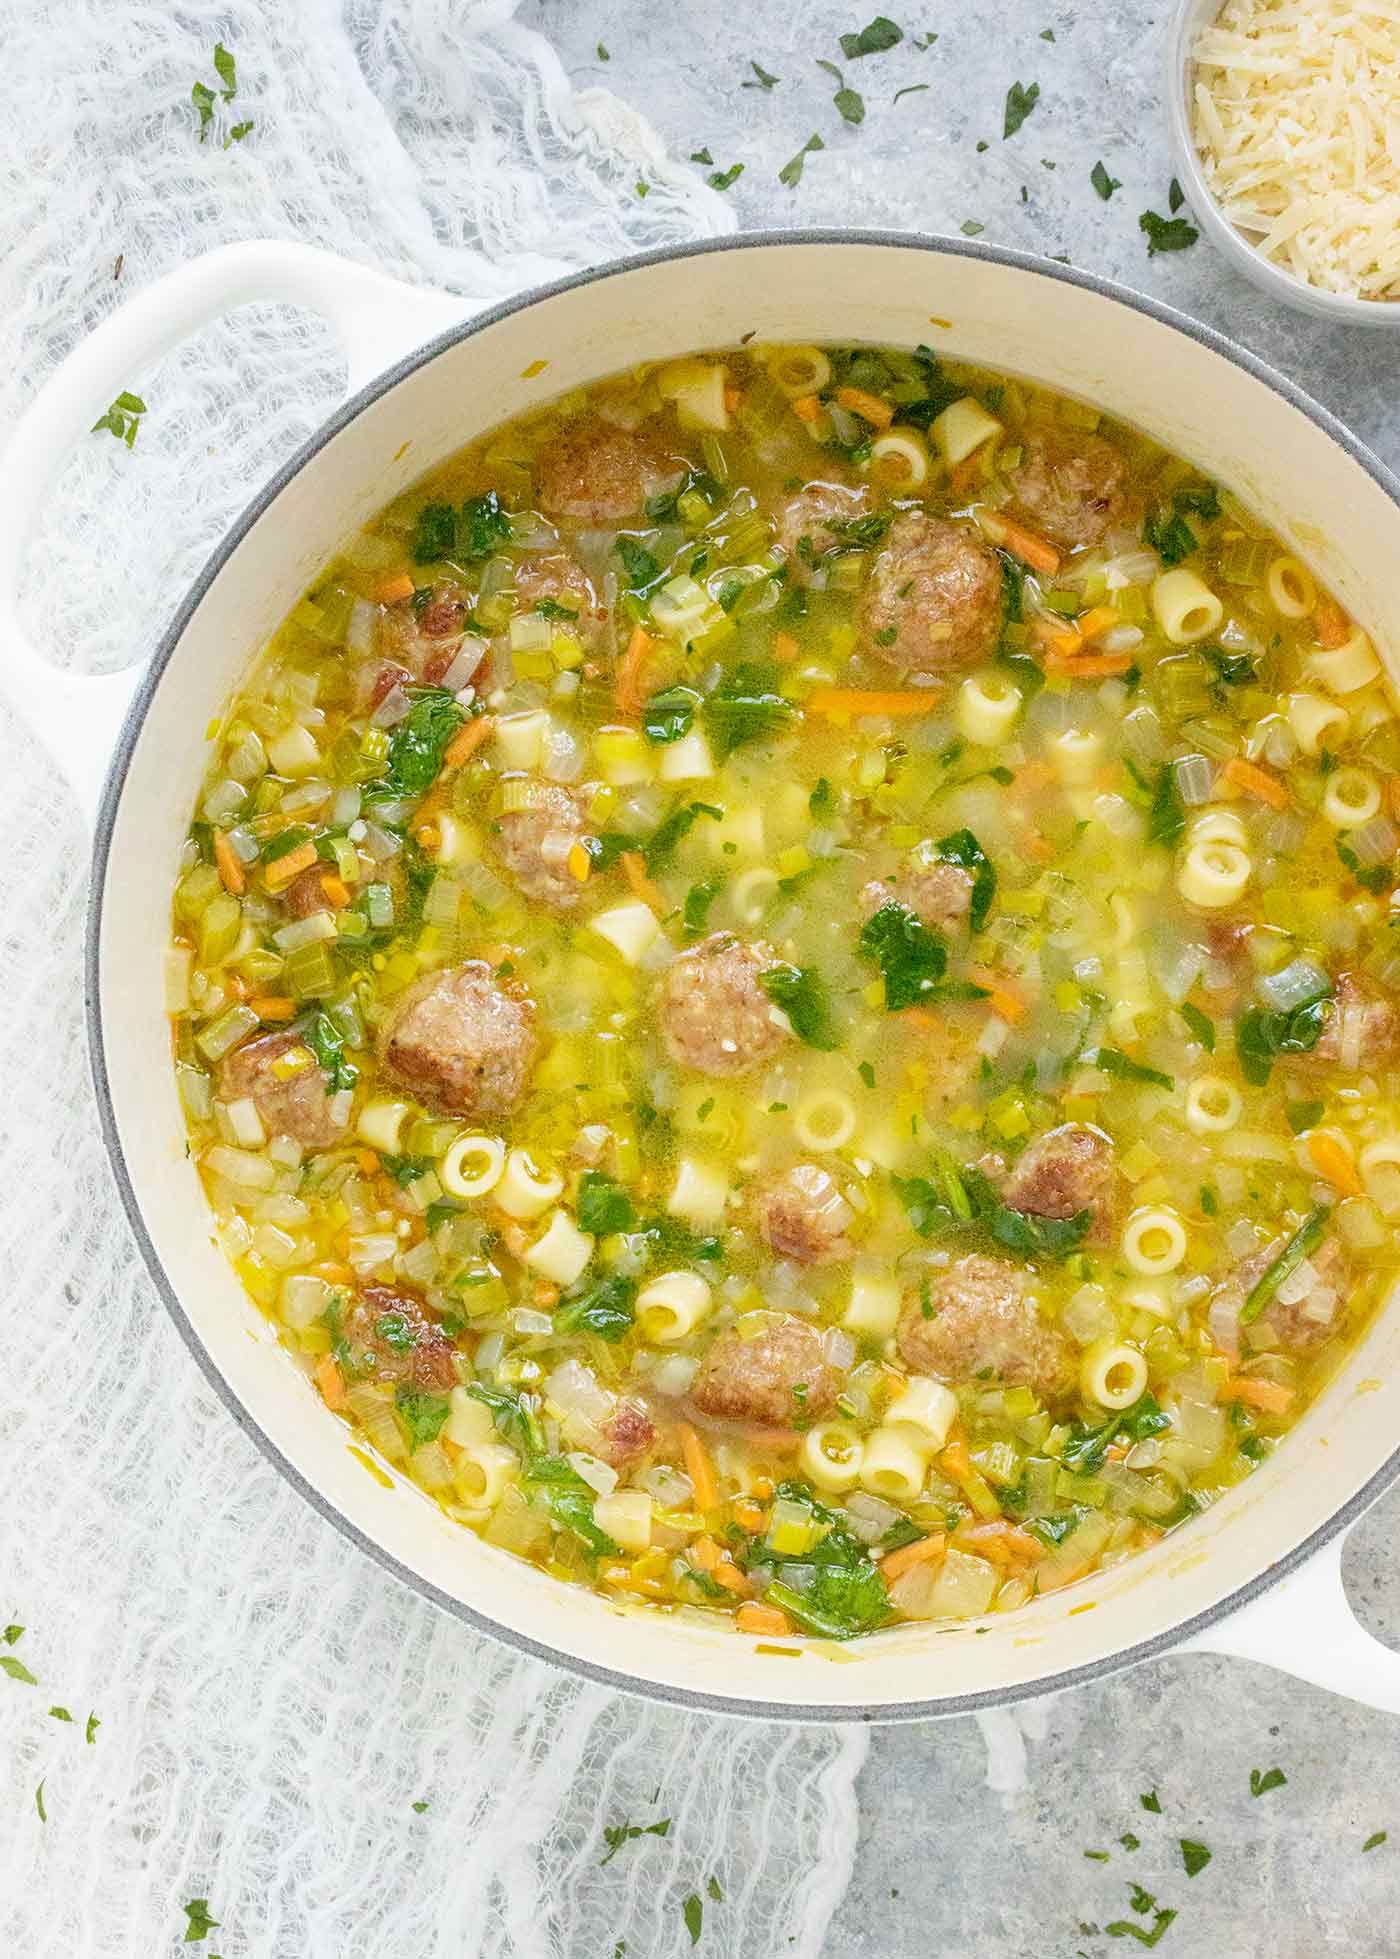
(297, 1104)
(459, 1041)
(776, 1377)
(596, 473)
(535, 843)
(557, 579)
(940, 894)
(806, 527)
(715, 1016)
(306, 893)
(803, 1216)
(1361, 1032)
(1071, 487)
(1306, 1308)
(978, 1315)
(400, 1341)
(933, 602)
(1065, 1171)
(627, 1435)
(426, 638)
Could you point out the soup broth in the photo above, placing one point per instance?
(783, 982)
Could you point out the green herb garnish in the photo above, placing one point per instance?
(422, 1415)
(616, 1834)
(880, 35)
(123, 418)
(1114, 1062)
(327, 1043)
(419, 742)
(791, 172)
(1020, 100)
(1194, 1855)
(801, 993)
(1103, 183)
(200, 1923)
(1261, 1036)
(1166, 234)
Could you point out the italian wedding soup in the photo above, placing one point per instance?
(784, 985)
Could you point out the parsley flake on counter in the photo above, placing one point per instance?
(39, 1803)
(1166, 234)
(200, 1923)
(1151, 1802)
(914, 88)
(970, 228)
(60, 1714)
(874, 39)
(1194, 1855)
(1021, 98)
(1262, 1780)
(1176, 197)
(603, 54)
(93, 1724)
(1374, 1841)
(725, 179)
(1123, 1928)
(850, 106)
(693, 1911)
(616, 1834)
(17, 1670)
(12, 1634)
(122, 419)
(1097, 1856)
(712, 1886)
(421, 1805)
(643, 188)
(762, 79)
(791, 172)
(1047, 33)
(1103, 183)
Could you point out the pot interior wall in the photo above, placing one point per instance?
(1003, 315)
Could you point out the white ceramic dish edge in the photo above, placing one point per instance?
(1289, 1610)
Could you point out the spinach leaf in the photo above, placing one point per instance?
(1166, 822)
(833, 1588)
(607, 1310)
(801, 993)
(422, 1415)
(963, 1201)
(406, 1170)
(470, 534)
(695, 911)
(745, 707)
(641, 567)
(1201, 1025)
(660, 845)
(513, 1415)
(1114, 1062)
(874, 39)
(669, 715)
(911, 955)
(1261, 1036)
(327, 1043)
(962, 848)
(419, 742)
(569, 1501)
(603, 1205)
(1020, 100)
(1371, 877)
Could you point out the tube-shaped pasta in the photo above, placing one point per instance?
(472, 1166)
(1149, 1296)
(1212, 1104)
(963, 427)
(1154, 1241)
(899, 458)
(874, 1304)
(626, 1517)
(1345, 668)
(469, 1421)
(670, 1307)
(1316, 722)
(379, 1124)
(824, 1120)
(986, 709)
(1291, 587)
(1075, 755)
(1217, 826)
(752, 893)
(832, 1455)
(1185, 607)
(1112, 1373)
(1382, 1152)
(1212, 874)
(561, 1252)
(926, 1408)
(525, 1190)
(1351, 797)
(798, 371)
(892, 1466)
(481, 1473)
(699, 1192)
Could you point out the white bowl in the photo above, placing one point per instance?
(1190, 17)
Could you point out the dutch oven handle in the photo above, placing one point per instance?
(377, 319)
(1304, 1626)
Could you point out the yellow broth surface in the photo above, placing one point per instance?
(783, 982)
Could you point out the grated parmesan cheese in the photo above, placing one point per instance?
(1297, 121)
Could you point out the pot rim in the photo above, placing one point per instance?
(745, 1707)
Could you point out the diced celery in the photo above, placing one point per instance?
(224, 1033)
(379, 905)
(219, 929)
(309, 971)
(196, 890)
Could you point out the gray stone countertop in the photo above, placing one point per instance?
(945, 1868)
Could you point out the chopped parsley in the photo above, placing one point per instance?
(1114, 1062)
(1123, 1928)
(791, 172)
(1020, 100)
(420, 1806)
(850, 106)
(421, 1415)
(725, 179)
(513, 1415)
(1201, 1025)
(616, 1834)
(123, 418)
(1103, 183)
(1262, 1780)
(603, 1205)
(880, 35)
(969, 228)
(39, 1803)
(17, 1670)
(1301, 1245)
(1176, 196)
(1194, 1855)
(406, 1170)
(762, 78)
(1262, 1035)
(963, 1201)
(200, 1923)
(1375, 1840)
(327, 1043)
(602, 53)
(745, 707)
(468, 534)
(90, 1733)
(801, 993)
(963, 849)
(866, 1073)
(419, 742)
(1151, 1802)
(693, 1911)
(669, 715)
(1166, 234)
(914, 88)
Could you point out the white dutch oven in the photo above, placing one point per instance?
(1259, 1575)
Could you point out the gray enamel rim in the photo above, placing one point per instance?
(881, 1712)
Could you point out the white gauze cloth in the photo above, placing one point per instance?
(272, 1705)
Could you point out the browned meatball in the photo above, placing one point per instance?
(776, 1377)
(1362, 1028)
(296, 1105)
(596, 473)
(805, 527)
(715, 1016)
(1312, 1309)
(803, 1216)
(557, 579)
(426, 638)
(400, 1341)
(933, 602)
(627, 1435)
(460, 1041)
(1070, 487)
(1065, 1171)
(940, 894)
(978, 1315)
(535, 843)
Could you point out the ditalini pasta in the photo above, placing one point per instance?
(783, 986)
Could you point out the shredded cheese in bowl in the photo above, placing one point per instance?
(1297, 122)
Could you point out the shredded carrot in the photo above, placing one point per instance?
(719, 1565)
(335, 889)
(1330, 623)
(1271, 1396)
(997, 1531)
(1002, 998)
(755, 1618)
(921, 1551)
(953, 1456)
(634, 869)
(394, 586)
(699, 1468)
(282, 870)
(467, 740)
(331, 1382)
(806, 408)
(579, 863)
(750, 1515)
(785, 647)
(1255, 782)
(1058, 638)
(1333, 1163)
(1091, 666)
(843, 701)
(629, 672)
(1025, 545)
(733, 399)
(429, 835)
(230, 870)
(368, 1161)
(1099, 619)
(869, 407)
(271, 1006)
